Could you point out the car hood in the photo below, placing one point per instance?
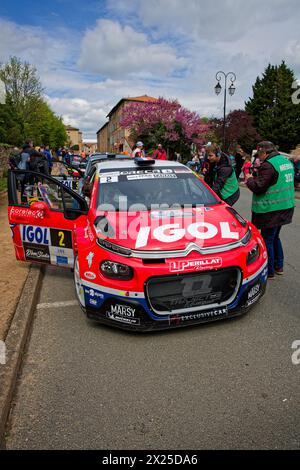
(171, 229)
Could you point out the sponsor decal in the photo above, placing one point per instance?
(36, 252)
(254, 291)
(89, 275)
(123, 314)
(215, 313)
(94, 293)
(54, 250)
(46, 236)
(89, 258)
(39, 235)
(252, 301)
(145, 172)
(20, 212)
(122, 310)
(88, 233)
(150, 176)
(253, 294)
(93, 297)
(62, 260)
(169, 233)
(130, 321)
(195, 265)
(167, 214)
(182, 171)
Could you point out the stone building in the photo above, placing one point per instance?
(89, 147)
(102, 138)
(74, 137)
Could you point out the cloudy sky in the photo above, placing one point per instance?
(91, 53)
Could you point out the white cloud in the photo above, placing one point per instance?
(170, 48)
(32, 44)
(115, 51)
(80, 113)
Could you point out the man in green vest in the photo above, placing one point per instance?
(225, 183)
(273, 201)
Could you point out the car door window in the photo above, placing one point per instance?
(29, 187)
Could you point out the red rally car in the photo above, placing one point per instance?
(152, 246)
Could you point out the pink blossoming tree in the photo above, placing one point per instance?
(165, 122)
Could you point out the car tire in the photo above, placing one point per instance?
(78, 284)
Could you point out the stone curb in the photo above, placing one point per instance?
(15, 343)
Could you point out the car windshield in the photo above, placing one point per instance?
(126, 189)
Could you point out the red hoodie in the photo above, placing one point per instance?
(160, 154)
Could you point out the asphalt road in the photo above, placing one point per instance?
(226, 385)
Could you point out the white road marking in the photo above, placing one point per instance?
(66, 303)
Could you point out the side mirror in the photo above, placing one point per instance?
(40, 206)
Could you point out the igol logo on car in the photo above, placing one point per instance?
(39, 235)
(195, 264)
(89, 275)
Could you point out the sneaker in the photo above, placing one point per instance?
(271, 276)
(279, 271)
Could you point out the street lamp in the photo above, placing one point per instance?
(231, 91)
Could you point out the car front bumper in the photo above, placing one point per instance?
(128, 312)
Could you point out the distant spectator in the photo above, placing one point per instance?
(231, 153)
(48, 154)
(160, 153)
(239, 160)
(246, 166)
(68, 157)
(139, 150)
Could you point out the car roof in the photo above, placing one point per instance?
(130, 163)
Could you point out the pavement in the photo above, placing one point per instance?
(227, 385)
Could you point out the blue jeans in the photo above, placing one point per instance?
(274, 248)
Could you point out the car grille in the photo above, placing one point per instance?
(191, 292)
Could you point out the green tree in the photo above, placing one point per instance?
(25, 113)
(275, 116)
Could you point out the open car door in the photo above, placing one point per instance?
(43, 214)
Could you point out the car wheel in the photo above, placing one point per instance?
(78, 284)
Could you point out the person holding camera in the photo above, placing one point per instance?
(225, 182)
(273, 201)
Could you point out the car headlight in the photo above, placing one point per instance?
(114, 270)
(253, 254)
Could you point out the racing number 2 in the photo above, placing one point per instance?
(61, 237)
